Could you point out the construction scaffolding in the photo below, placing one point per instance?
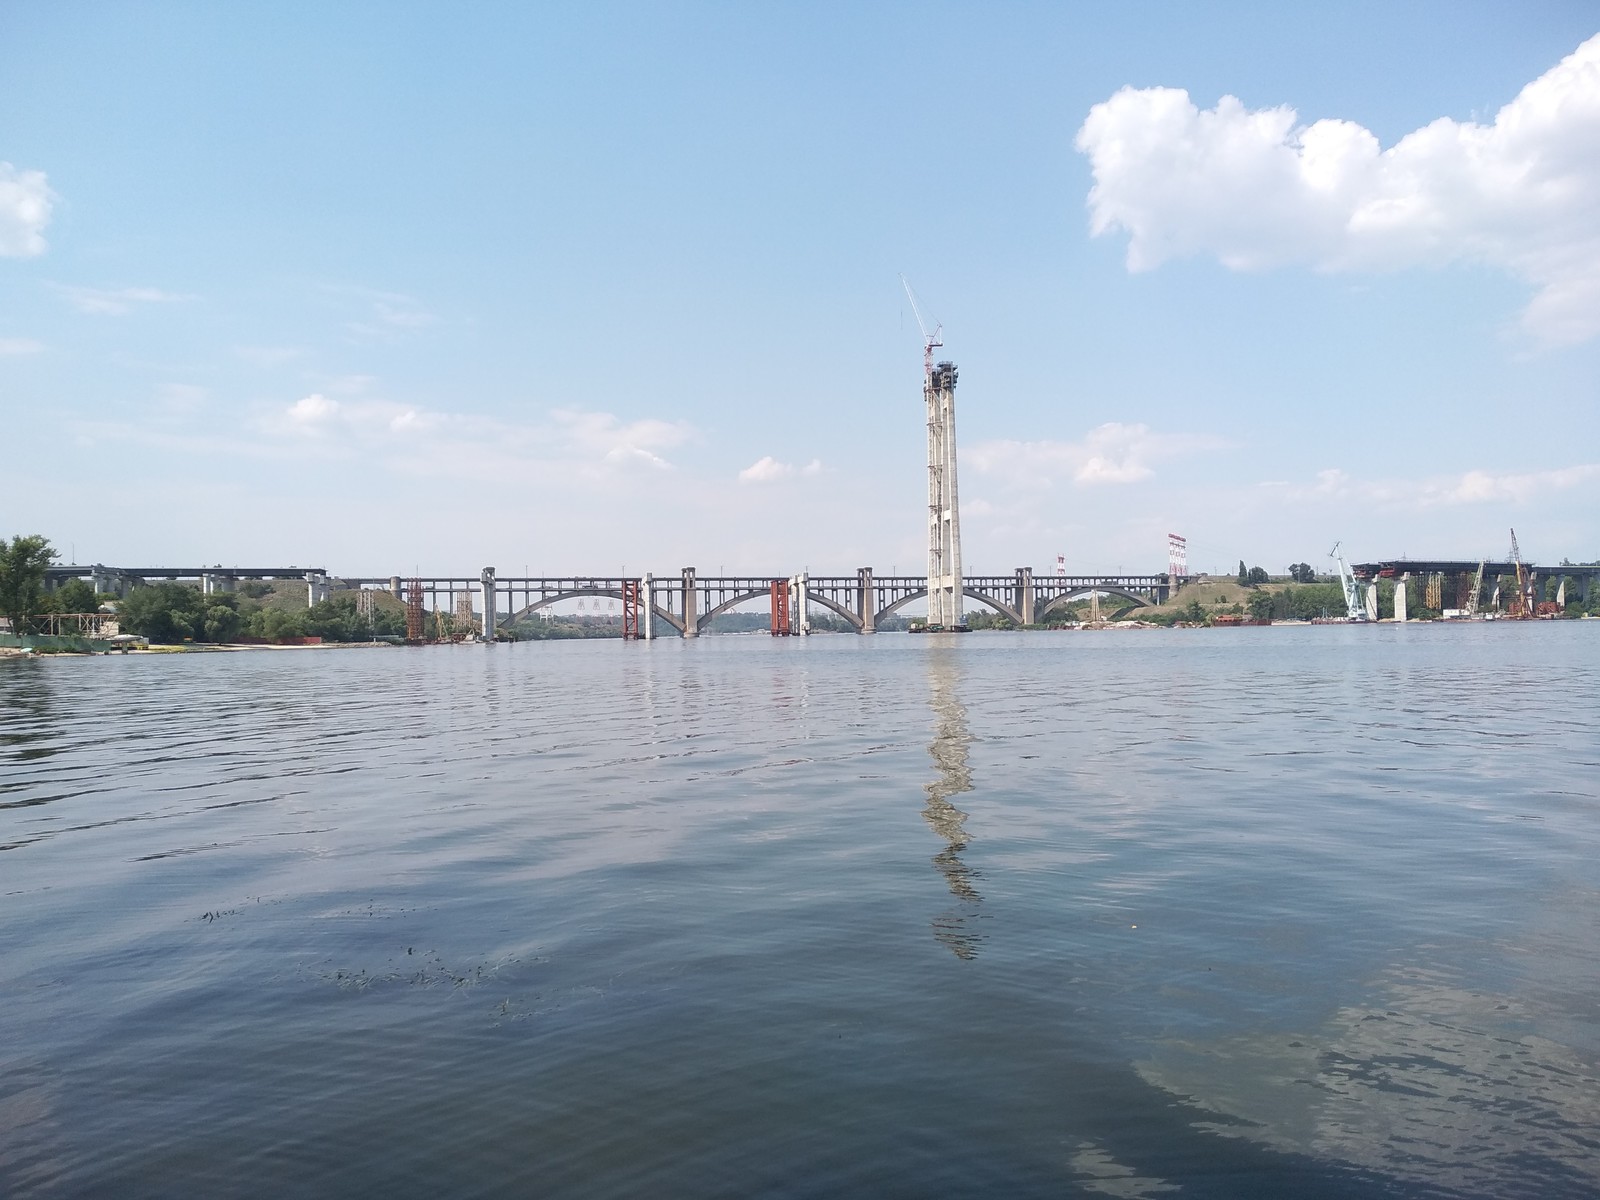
(781, 624)
(630, 609)
(415, 621)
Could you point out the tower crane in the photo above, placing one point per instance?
(929, 340)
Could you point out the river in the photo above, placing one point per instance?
(1255, 912)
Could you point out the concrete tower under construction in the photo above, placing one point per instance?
(944, 512)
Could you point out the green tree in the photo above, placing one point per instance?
(1256, 577)
(221, 622)
(22, 565)
(1244, 574)
(1193, 613)
(164, 612)
(75, 596)
(1261, 606)
(1302, 573)
(275, 623)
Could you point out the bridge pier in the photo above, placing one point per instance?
(799, 621)
(1022, 599)
(1399, 597)
(317, 589)
(691, 606)
(648, 617)
(491, 618)
(864, 601)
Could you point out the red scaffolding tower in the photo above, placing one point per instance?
(781, 626)
(630, 609)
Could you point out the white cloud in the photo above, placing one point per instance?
(1111, 453)
(770, 470)
(313, 412)
(589, 435)
(765, 470)
(388, 316)
(25, 203)
(114, 302)
(419, 441)
(1257, 189)
(11, 346)
(1470, 487)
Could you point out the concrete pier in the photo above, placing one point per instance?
(491, 618)
(691, 607)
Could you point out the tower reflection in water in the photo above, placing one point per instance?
(956, 926)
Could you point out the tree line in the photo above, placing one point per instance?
(177, 612)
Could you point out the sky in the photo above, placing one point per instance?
(616, 288)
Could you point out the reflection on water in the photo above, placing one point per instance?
(955, 927)
(26, 700)
(317, 914)
(1427, 1081)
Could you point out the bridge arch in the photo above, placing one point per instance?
(1004, 609)
(578, 593)
(835, 607)
(704, 622)
(1065, 598)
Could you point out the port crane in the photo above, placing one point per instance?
(1521, 606)
(1470, 608)
(1354, 601)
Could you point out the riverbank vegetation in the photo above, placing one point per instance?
(23, 560)
(177, 612)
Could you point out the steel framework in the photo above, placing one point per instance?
(414, 621)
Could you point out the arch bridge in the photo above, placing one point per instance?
(688, 602)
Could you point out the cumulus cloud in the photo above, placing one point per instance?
(114, 302)
(25, 203)
(1109, 454)
(770, 470)
(591, 434)
(1258, 189)
(311, 412)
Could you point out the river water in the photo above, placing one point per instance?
(1256, 912)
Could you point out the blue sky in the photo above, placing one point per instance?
(587, 288)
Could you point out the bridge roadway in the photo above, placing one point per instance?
(689, 602)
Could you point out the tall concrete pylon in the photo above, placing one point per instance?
(944, 512)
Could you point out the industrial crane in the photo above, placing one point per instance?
(1355, 608)
(929, 340)
(1470, 608)
(1521, 607)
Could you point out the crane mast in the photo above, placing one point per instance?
(1521, 605)
(1470, 608)
(1354, 603)
(945, 590)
